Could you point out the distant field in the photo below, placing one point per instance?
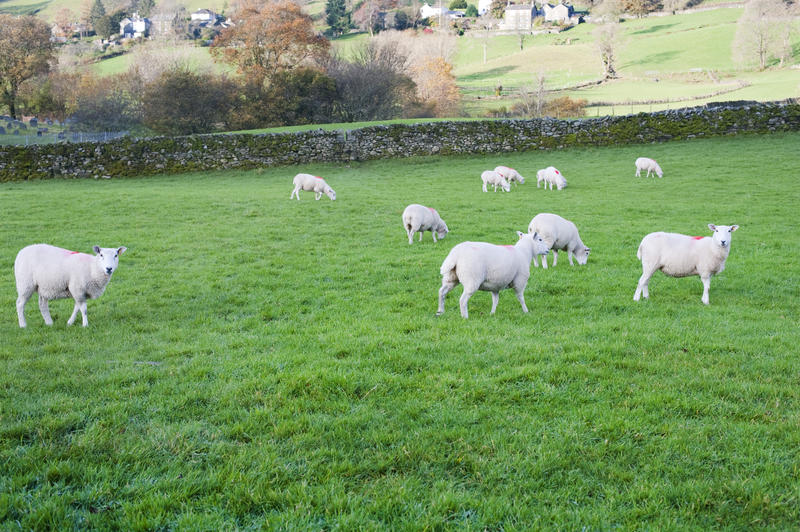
(264, 363)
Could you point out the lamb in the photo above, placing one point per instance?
(551, 176)
(679, 255)
(58, 273)
(420, 218)
(510, 175)
(493, 178)
(559, 234)
(488, 267)
(644, 163)
(311, 183)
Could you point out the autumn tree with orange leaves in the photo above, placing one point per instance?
(25, 51)
(269, 37)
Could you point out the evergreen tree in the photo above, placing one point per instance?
(337, 16)
(96, 13)
(143, 7)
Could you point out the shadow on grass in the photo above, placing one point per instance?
(654, 58)
(653, 29)
(489, 74)
(30, 9)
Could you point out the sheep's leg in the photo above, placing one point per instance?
(296, 192)
(706, 285)
(433, 233)
(22, 300)
(535, 261)
(420, 235)
(569, 256)
(544, 260)
(641, 288)
(446, 287)
(464, 300)
(45, 309)
(317, 195)
(79, 306)
(410, 234)
(521, 297)
(484, 187)
(495, 299)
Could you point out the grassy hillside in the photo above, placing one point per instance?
(47, 9)
(258, 362)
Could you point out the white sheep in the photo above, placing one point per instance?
(551, 176)
(645, 163)
(679, 255)
(488, 267)
(311, 183)
(58, 273)
(420, 218)
(510, 175)
(559, 234)
(493, 178)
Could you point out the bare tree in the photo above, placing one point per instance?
(487, 23)
(607, 42)
(756, 38)
(532, 98)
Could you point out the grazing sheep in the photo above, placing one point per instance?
(551, 176)
(679, 255)
(559, 234)
(311, 183)
(493, 178)
(644, 163)
(510, 175)
(58, 273)
(420, 218)
(488, 267)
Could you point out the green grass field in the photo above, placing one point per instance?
(258, 362)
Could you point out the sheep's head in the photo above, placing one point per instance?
(540, 247)
(442, 230)
(582, 255)
(505, 186)
(722, 234)
(330, 193)
(108, 258)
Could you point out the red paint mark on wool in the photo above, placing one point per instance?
(510, 248)
(698, 237)
(557, 172)
(318, 177)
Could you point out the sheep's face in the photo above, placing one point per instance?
(108, 258)
(722, 234)
(540, 247)
(582, 255)
(330, 193)
(505, 186)
(520, 179)
(561, 183)
(442, 231)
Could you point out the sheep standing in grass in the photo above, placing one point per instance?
(58, 273)
(551, 176)
(493, 178)
(510, 175)
(311, 183)
(420, 218)
(559, 234)
(644, 163)
(488, 267)
(679, 255)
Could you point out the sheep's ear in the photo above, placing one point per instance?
(121, 250)
(734, 227)
(520, 234)
(712, 227)
(96, 249)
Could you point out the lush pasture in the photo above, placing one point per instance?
(258, 361)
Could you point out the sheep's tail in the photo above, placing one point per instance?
(449, 264)
(639, 252)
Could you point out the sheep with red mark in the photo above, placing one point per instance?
(418, 218)
(559, 234)
(57, 273)
(678, 255)
(551, 176)
(510, 175)
(489, 267)
(311, 183)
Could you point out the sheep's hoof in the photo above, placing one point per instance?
(439, 313)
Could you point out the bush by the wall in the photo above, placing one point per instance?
(134, 157)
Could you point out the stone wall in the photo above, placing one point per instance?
(135, 157)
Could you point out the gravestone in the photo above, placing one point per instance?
(2, 130)
(33, 122)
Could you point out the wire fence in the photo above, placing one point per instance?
(61, 136)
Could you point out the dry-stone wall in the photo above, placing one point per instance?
(134, 157)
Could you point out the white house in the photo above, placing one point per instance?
(484, 6)
(134, 27)
(427, 11)
(204, 15)
(518, 17)
(558, 13)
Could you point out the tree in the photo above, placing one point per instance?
(758, 32)
(497, 9)
(183, 102)
(337, 17)
(301, 96)
(96, 13)
(458, 4)
(25, 51)
(471, 11)
(437, 84)
(143, 7)
(268, 38)
(103, 27)
(607, 42)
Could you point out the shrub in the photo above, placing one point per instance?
(565, 107)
